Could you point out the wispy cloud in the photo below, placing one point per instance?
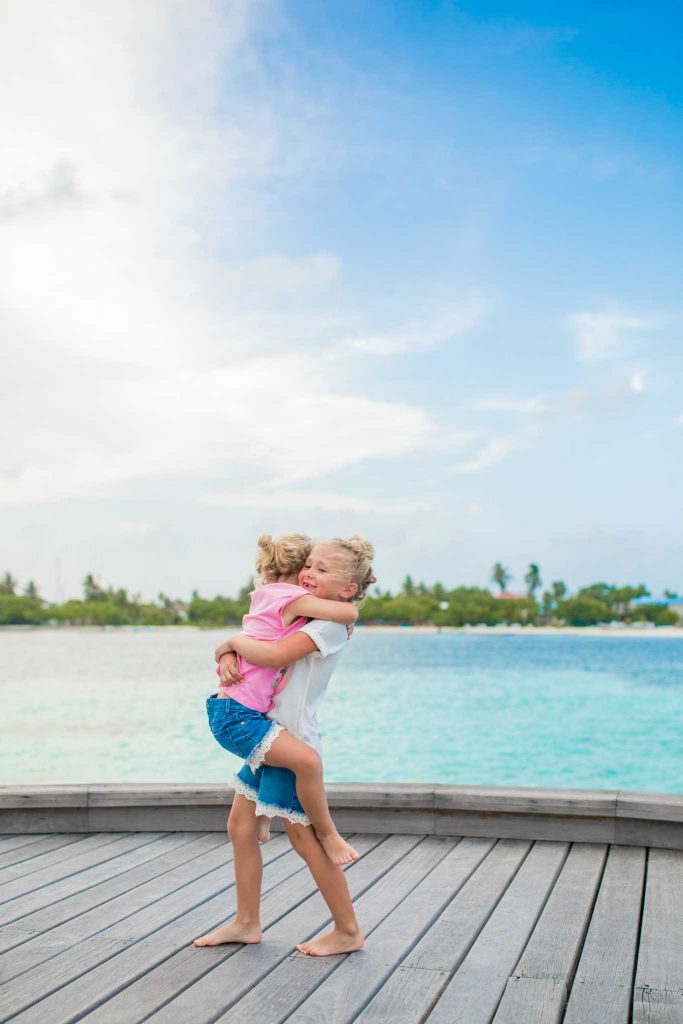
(449, 324)
(307, 500)
(520, 405)
(494, 450)
(606, 334)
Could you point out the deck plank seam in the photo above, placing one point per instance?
(589, 917)
(636, 955)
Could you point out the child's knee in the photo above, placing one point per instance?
(241, 827)
(311, 762)
(300, 838)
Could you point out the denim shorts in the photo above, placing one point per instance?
(240, 729)
(273, 790)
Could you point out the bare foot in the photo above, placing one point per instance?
(337, 849)
(333, 942)
(232, 932)
(263, 828)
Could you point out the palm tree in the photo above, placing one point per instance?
(532, 579)
(8, 584)
(31, 590)
(500, 576)
(408, 586)
(559, 589)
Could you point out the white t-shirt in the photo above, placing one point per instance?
(296, 706)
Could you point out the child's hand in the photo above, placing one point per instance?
(222, 649)
(228, 669)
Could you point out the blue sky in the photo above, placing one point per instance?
(408, 270)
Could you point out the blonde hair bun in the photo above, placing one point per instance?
(282, 557)
(364, 548)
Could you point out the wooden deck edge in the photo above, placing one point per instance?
(593, 816)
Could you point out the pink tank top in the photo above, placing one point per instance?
(264, 622)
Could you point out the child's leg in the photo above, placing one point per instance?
(304, 761)
(346, 935)
(243, 832)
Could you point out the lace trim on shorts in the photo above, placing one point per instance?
(270, 810)
(259, 752)
(241, 787)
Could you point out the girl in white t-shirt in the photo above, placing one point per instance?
(312, 652)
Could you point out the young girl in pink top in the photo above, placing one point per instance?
(237, 713)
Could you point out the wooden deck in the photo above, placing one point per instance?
(98, 927)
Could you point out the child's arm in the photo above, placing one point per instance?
(310, 607)
(275, 653)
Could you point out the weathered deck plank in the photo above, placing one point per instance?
(601, 993)
(658, 995)
(537, 991)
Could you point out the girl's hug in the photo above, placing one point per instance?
(273, 676)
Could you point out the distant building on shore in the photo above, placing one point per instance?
(507, 596)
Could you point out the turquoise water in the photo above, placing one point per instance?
(119, 706)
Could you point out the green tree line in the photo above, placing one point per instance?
(416, 603)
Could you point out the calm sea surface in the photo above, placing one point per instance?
(80, 706)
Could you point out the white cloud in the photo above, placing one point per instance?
(418, 336)
(604, 335)
(139, 341)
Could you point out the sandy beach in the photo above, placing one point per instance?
(660, 632)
